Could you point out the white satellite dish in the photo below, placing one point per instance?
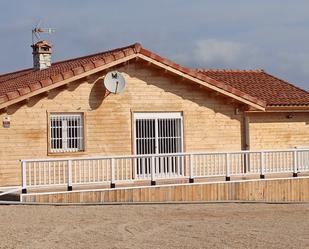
(114, 82)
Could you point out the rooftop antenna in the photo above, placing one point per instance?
(37, 30)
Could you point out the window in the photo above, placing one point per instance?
(66, 132)
(158, 133)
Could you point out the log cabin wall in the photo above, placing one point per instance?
(210, 122)
(279, 130)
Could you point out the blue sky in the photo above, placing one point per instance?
(240, 34)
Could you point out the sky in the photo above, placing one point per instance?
(241, 34)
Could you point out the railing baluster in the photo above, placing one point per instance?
(108, 172)
(98, 170)
(191, 179)
(75, 173)
(54, 168)
(88, 165)
(295, 171)
(24, 177)
(69, 175)
(49, 173)
(30, 177)
(39, 173)
(44, 172)
(59, 170)
(112, 163)
(93, 170)
(262, 165)
(122, 170)
(63, 173)
(104, 172)
(153, 182)
(34, 174)
(227, 169)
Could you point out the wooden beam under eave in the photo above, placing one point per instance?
(287, 108)
(278, 110)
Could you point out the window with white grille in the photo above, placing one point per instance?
(66, 132)
(158, 133)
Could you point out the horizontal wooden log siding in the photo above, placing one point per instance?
(270, 190)
(210, 123)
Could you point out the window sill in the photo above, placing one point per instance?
(77, 153)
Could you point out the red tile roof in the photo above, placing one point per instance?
(22, 82)
(259, 84)
(255, 86)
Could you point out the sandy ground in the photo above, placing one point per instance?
(156, 226)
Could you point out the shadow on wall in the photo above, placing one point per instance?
(97, 94)
(187, 91)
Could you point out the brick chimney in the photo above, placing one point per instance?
(41, 52)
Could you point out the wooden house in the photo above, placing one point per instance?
(62, 109)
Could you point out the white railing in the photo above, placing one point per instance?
(87, 170)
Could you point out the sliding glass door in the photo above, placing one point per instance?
(158, 133)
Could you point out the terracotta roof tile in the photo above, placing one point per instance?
(35, 79)
(256, 86)
(259, 84)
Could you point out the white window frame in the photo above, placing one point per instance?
(156, 116)
(61, 137)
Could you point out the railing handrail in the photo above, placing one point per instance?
(79, 170)
(52, 159)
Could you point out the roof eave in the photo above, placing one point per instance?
(203, 80)
(85, 70)
(288, 108)
(56, 81)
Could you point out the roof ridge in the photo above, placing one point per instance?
(27, 80)
(230, 70)
(134, 45)
(19, 71)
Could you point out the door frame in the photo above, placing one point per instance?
(156, 115)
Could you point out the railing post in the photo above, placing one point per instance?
(24, 178)
(191, 177)
(295, 163)
(262, 165)
(153, 182)
(113, 185)
(227, 164)
(70, 175)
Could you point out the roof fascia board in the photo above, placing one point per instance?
(203, 83)
(67, 81)
(283, 109)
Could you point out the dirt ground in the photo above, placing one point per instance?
(156, 226)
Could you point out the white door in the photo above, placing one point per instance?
(158, 133)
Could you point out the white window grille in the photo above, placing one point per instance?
(158, 133)
(66, 132)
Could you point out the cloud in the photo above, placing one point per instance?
(215, 34)
(289, 64)
(214, 52)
